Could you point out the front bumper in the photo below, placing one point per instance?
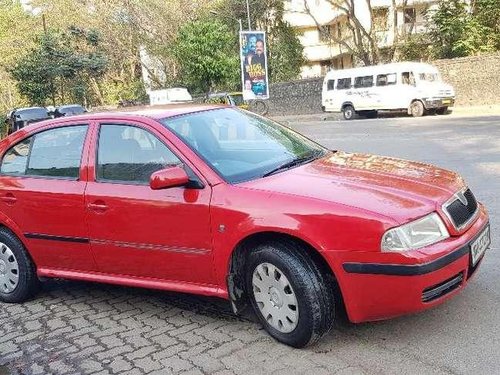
(377, 286)
(433, 103)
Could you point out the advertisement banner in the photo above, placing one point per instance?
(253, 54)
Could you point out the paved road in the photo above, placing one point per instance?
(75, 328)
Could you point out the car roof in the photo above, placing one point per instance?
(69, 106)
(153, 112)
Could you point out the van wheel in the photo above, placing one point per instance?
(348, 112)
(18, 279)
(442, 111)
(289, 294)
(417, 109)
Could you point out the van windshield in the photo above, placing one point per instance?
(429, 77)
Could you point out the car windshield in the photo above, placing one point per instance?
(241, 146)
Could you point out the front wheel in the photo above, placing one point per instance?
(292, 298)
(348, 112)
(417, 109)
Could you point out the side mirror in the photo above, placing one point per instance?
(168, 178)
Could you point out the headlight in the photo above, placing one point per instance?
(419, 233)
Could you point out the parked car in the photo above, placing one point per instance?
(21, 117)
(220, 202)
(406, 86)
(69, 110)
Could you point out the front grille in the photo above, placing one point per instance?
(461, 213)
(441, 289)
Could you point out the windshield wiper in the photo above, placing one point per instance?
(294, 162)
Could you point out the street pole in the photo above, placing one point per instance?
(248, 16)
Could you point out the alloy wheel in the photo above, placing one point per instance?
(9, 270)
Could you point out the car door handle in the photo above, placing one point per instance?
(9, 198)
(97, 206)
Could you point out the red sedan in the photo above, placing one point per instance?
(220, 202)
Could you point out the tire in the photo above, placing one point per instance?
(442, 111)
(260, 107)
(348, 112)
(301, 284)
(15, 261)
(416, 109)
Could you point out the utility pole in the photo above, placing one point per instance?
(248, 17)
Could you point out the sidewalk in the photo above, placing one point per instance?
(469, 111)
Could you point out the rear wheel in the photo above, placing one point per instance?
(18, 279)
(289, 294)
(417, 109)
(348, 112)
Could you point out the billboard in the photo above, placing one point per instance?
(253, 54)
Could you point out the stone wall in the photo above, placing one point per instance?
(476, 80)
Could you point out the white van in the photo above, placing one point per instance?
(169, 96)
(413, 87)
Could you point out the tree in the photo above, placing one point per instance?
(205, 55)
(61, 66)
(458, 30)
(285, 53)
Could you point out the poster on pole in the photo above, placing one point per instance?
(253, 54)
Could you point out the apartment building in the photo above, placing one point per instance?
(321, 25)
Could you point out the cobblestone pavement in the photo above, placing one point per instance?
(85, 328)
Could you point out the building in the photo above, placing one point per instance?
(321, 26)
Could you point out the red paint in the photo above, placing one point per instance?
(167, 178)
(171, 238)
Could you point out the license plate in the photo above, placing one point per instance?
(479, 246)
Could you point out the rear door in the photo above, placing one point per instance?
(137, 231)
(41, 190)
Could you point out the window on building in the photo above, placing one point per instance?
(380, 16)
(325, 33)
(365, 81)
(386, 79)
(410, 15)
(343, 83)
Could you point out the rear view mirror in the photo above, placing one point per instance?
(168, 177)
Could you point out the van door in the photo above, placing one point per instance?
(366, 97)
(328, 94)
(388, 91)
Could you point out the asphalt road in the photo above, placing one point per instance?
(74, 328)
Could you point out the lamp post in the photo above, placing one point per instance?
(248, 17)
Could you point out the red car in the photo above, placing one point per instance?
(220, 202)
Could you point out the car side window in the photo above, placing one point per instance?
(130, 154)
(386, 79)
(16, 159)
(51, 153)
(365, 81)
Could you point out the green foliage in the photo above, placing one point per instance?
(457, 30)
(285, 53)
(205, 54)
(60, 67)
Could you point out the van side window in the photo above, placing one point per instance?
(386, 79)
(365, 81)
(343, 83)
(407, 78)
(330, 85)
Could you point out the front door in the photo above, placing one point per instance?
(137, 231)
(41, 191)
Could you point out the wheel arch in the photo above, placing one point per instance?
(345, 104)
(239, 255)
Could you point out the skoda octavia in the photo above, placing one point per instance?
(220, 202)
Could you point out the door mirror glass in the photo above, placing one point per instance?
(168, 177)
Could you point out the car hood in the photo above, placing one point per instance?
(399, 189)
